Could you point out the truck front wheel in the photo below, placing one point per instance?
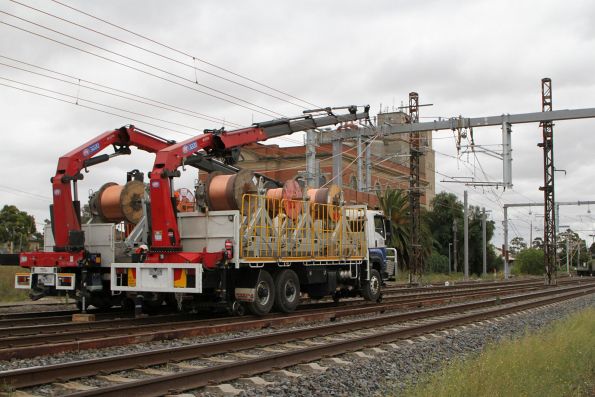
(264, 294)
(371, 288)
(287, 291)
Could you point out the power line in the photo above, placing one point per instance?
(79, 98)
(23, 193)
(96, 109)
(156, 53)
(265, 112)
(194, 58)
(79, 82)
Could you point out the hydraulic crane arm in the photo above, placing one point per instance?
(220, 144)
(65, 211)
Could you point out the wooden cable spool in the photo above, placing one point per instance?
(325, 202)
(117, 203)
(225, 192)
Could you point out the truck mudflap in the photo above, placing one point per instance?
(245, 294)
(157, 277)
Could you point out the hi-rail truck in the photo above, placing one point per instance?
(249, 242)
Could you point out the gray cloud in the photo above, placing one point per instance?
(473, 58)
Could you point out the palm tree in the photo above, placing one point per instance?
(395, 205)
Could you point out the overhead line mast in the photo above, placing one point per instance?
(548, 188)
(416, 260)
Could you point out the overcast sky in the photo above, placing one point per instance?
(470, 58)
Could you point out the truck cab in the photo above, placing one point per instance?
(379, 233)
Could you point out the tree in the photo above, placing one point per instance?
(447, 211)
(530, 261)
(537, 243)
(16, 227)
(517, 244)
(476, 241)
(571, 246)
(446, 208)
(437, 263)
(395, 205)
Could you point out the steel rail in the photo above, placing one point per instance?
(22, 328)
(98, 334)
(40, 375)
(201, 377)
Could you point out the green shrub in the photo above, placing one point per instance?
(530, 261)
(437, 263)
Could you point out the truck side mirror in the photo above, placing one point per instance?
(388, 229)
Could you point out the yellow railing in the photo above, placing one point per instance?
(289, 230)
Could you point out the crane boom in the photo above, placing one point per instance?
(66, 206)
(218, 144)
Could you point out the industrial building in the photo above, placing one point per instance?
(382, 162)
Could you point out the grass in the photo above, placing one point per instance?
(559, 361)
(8, 293)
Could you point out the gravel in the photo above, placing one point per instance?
(387, 373)
(391, 373)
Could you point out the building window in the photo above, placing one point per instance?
(353, 182)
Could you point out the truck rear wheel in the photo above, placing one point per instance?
(265, 294)
(371, 288)
(287, 291)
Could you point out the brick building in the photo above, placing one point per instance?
(389, 163)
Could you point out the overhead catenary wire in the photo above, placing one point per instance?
(78, 98)
(23, 192)
(78, 82)
(96, 109)
(193, 57)
(133, 97)
(156, 53)
(265, 111)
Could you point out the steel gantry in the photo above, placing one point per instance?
(546, 118)
(556, 226)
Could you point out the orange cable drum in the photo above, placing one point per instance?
(325, 202)
(116, 203)
(225, 192)
(290, 195)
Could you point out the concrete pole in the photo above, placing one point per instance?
(449, 260)
(368, 186)
(337, 162)
(311, 178)
(454, 245)
(567, 257)
(485, 243)
(360, 176)
(466, 236)
(505, 227)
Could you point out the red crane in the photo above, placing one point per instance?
(165, 237)
(65, 210)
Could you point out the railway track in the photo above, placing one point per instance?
(195, 366)
(25, 319)
(391, 287)
(61, 323)
(32, 341)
